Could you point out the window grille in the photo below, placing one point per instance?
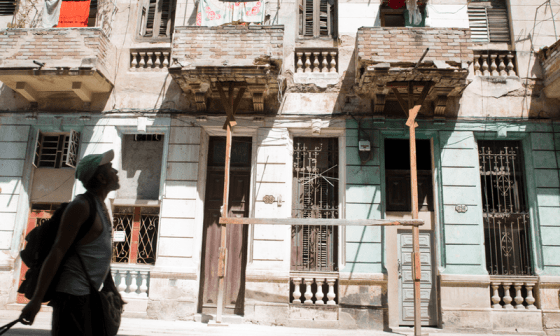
(489, 23)
(148, 137)
(139, 225)
(7, 7)
(156, 19)
(505, 213)
(56, 150)
(315, 195)
(317, 18)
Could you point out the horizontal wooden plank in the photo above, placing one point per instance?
(322, 221)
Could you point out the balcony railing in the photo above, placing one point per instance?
(149, 59)
(316, 60)
(314, 289)
(132, 282)
(494, 63)
(510, 292)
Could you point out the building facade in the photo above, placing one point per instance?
(321, 91)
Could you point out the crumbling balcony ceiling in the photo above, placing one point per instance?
(44, 63)
(550, 60)
(251, 56)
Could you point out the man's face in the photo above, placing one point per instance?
(110, 176)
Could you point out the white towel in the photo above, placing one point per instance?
(51, 13)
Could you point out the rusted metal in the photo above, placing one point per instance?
(322, 221)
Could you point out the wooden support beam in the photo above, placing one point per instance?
(26, 91)
(401, 101)
(226, 103)
(322, 221)
(82, 91)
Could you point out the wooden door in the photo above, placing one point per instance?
(236, 240)
(39, 214)
(406, 284)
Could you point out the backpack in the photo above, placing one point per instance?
(40, 241)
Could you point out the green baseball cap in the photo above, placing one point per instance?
(89, 163)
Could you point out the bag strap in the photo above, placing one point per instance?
(7, 327)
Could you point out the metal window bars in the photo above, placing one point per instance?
(315, 195)
(506, 219)
(142, 229)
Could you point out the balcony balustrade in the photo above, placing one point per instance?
(314, 289)
(149, 59)
(512, 292)
(131, 282)
(494, 63)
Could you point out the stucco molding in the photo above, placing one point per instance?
(464, 280)
(549, 281)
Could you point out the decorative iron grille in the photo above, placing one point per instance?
(140, 225)
(147, 240)
(506, 219)
(315, 195)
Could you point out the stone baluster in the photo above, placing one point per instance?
(157, 63)
(507, 298)
(142, 63)
(331, 295)
(308, 294)
(133, 282)
(325, 64)
(510, 67)
(530, 299)
(316, 62)
(307, 62)
(333, 61)
(476, 65)
(485, 71)
(166, 59)
(297, 292)
(144, 284)
(122, 282)
(319, 295)
(496, 296)
(299, 63)
(518, 298)
(134, 62)
(502, 65)
(493, 66)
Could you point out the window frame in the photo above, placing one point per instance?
(6, 6)
(333, 25)
(385, 10)
(143, 14)
(474, 10)
(71, 142)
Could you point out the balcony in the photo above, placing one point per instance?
(249, 56)
(550, 60)
(386, 60)
(59, 63)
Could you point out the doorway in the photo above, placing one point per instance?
(236, 240)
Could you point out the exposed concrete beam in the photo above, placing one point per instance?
(82, 91)
(26, 91)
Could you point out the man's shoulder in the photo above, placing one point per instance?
(80, 203)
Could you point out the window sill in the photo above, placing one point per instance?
(135, 202)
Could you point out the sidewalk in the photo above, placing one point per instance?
(142, 327)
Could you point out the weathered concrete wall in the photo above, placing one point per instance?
(52, 185)
(141, 169)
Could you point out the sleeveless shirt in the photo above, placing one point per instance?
(96, 256)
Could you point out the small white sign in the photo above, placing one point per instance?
(119, 236)
(364, 146)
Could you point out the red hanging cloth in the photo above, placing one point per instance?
(74, 14)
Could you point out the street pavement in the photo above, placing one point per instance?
(142, 327)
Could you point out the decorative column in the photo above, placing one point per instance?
(333, 61)
(144, 284)
(308, 294)
(307, 62)
(518, 298)
(122, 281)
(331, 295)
(297, 293)
(530, 299)
(319, 295)
(324, 63)
(493, 66)
(507, 297)
(316, 61)
(133, 284)
(299, 63)
(496, 296)
(476, 65)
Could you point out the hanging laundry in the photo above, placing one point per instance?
(414, 12)
(396, 4)
(74, 14)
(216, 13)
(51, 12)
